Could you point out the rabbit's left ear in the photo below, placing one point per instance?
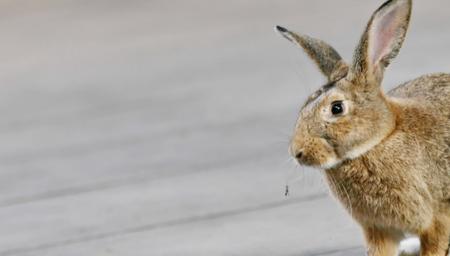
(381, 41)
(326, 57)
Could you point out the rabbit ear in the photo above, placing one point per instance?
(381, 41)
(327, 59)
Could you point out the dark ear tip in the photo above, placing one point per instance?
(281, 29)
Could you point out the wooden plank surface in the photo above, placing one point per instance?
(161, 127)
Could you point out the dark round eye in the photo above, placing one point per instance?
(337, 108)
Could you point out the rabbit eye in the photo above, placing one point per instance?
(337, 108)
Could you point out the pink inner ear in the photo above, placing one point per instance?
(383, 35)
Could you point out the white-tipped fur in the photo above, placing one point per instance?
(363, 148)
(330, 163)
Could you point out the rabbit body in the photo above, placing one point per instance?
(386, 156)
(403, 181)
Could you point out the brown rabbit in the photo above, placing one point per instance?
(386, 156)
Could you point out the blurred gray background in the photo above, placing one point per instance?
(161, 127)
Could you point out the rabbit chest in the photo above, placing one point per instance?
(384, 192)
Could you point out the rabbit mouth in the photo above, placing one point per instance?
(325, 164)
(319, 160)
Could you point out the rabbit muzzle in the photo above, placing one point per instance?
(311, 151)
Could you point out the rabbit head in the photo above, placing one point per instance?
(350, 114)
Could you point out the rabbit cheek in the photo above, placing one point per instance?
(339, 136)
(319, 153)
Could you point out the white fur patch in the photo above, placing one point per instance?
(330, 163)
(362, 149)
(410, 246)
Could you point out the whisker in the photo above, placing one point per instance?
(342, 190)
(292, 175)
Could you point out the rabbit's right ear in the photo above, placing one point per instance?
(381, 41)
(326, 57)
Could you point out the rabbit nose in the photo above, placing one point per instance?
(299, 155)
(296, 151)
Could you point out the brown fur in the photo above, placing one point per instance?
(326, 57)
(387, 156)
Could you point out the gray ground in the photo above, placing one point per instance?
(161, 127)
